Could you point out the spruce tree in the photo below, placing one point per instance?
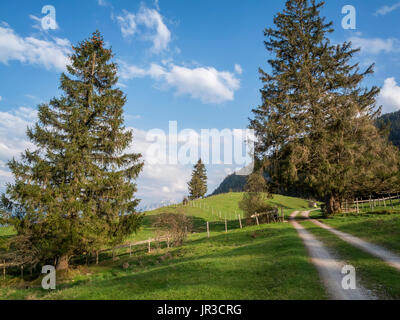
(198, 183)
(74, 193)
(315, 126)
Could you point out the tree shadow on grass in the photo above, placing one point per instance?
(274, 263)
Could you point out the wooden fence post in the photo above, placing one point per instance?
(149, 246)
(167, 242)
(240, 221)
(130, 249)
(257, 220)
(4, 270)
(283, 216)
(22, 272)
(97, 257)
(226, 226)
(208, 230)
(358, 210)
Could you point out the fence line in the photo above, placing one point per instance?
(191, 203)
(356, 205)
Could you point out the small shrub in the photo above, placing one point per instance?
(312, 204)
(125, 265)
(174, 226)
(254, 202)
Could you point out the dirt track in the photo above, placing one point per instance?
(389, 257)
(329, 267)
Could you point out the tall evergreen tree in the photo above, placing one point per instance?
(75, 192)
(315, 124)
(198, 183)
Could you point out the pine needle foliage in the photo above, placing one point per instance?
(74, 193)
(315, 126)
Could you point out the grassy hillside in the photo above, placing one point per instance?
(214, 209)
(266, 262)
(257, 262)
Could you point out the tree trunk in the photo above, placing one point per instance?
(332, 204)
(62, 263)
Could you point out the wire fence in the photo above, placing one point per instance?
(220, 222)
(370, 204)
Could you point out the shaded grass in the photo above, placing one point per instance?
(266, 262)
(372, 272)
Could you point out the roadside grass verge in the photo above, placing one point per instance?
(372, 272)
(379, 228)
(265, 262)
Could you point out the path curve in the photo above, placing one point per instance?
(386, 255)
(329, 267)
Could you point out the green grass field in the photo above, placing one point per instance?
(265, 262)
(6, 231)
(214, 209)
(382, 229)
(257, 262)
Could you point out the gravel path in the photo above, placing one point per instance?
(389, 257)
(329, 267)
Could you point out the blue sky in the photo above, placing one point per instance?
(191, 61)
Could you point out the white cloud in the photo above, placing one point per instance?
(207, 84)
(157, 182)
(13, 140)
(50, 54)
(151, 19)
(389, 96)
(127, 23)
(157, 5)
(127, 71)
(204, 83)
(163, 182)
(376, 45)
(238, 69)
(102, 3)
(387, 9)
